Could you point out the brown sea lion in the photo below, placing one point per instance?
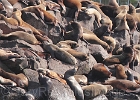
(113, 3)
(30, 38)
(120, 8)
(17, 15)
(125, 58)
(122, 84)
(5, 81)
(58, 53)
(122, 25)
(80, 55)
(93, 90)
(100, 70)
(120, 72)
(20, 79)
(52, 74)
(4, 55)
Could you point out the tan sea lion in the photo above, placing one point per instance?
(113, 3)
(52, 74)
(58, 53)
(81, 79)
(30, 38)
(4, 55)
(80, 55)
(93, 90)
(20, 79)
(122, 84)
(17, 15)
(11, 21)
(5, 81)
(67, 44)
(120, 71)
(120, 8)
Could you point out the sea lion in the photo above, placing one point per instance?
(67, 44)
(120, 8)
(92, 11)
(76, 33)
(120, 72)
(125, 58)
(46, 83)
(20, 79)
(93, 90)
(52, 74)
(4, 55)
(11, 21)
(81, 79)
(8, 7)
(122, 25)
(30, 38)
(113, 3)
(58, 53)
(122, 84)
(74, 85)
(17, 15)
(101, 71)
(5, 81)
(80, 55)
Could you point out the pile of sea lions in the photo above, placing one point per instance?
(114, 72)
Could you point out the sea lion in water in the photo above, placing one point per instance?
(120, 71)
(52, 74)
(20, 79)
(30, 38)
(8, 7)
(4, 55)
(122, 84)
(58, 53)
(125, 58)
(74, 85)
(93, 90)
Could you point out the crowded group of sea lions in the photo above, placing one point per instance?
(114, 72)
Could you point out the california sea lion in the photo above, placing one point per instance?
(17, 15)
(93, 90)
(52, 74)
(58, 53)
(125, 58)
(120, 8)
(122, 84)
(122, 25)
(5, 81)
(92, 11)
(120, 72)
(30, 38)
(74, 85)
(113, 3)
(4, 55)
(11, 21)
(20, 79)
(101, 71)
(80, 55)
(67, 44)
(81, 79)
(8, 7)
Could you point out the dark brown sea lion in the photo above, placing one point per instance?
(20, 79)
